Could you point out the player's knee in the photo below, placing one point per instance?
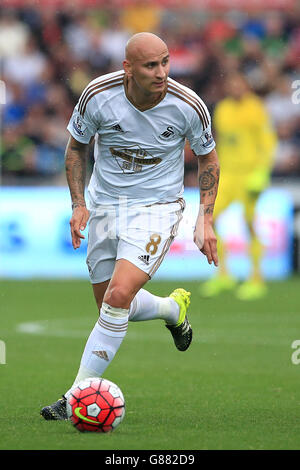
(117, 296)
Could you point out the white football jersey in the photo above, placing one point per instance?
(139, 155)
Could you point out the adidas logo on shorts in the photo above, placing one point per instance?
(145, 259)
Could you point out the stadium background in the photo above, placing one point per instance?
(50, 50)
(245, 392)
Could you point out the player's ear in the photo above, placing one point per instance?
(127, 67)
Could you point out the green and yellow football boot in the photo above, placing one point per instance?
(182, 332)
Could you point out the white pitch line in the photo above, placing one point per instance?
(60, 328)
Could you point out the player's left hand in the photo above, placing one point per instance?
(206, 241)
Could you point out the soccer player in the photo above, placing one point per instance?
(246, 144)
(139, 118)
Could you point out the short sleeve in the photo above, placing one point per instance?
(199, 133)
(82, 128)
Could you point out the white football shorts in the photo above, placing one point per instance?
(141, 235)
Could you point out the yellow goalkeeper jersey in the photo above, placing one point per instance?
(244, 135)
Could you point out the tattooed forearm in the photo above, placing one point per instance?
(209, 208)
(207, 179)
(208, 174)
(75, 163)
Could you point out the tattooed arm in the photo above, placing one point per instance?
(75, 162)
(208, 175)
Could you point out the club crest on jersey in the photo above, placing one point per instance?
(168, 133)
(79, 126)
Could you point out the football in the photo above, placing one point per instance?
(96, 405)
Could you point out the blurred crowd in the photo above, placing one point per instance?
(47, 57)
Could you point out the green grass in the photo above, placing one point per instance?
(235, 388)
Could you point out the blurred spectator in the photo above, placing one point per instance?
(16, 104)
(275, 42)
(279, 101)
(13, 34)
(141, 15)
(51, 33)
(78, 38)
(287, 156)
(254, 26)
(80, 76)
(50, 152)
(18, 154)
(112, 43)
(252, 60)
(27, 66)
(219, 29)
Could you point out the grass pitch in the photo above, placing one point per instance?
(235, 388)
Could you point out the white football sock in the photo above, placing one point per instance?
(147, 306)
(103, 343)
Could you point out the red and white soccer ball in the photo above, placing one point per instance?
(96, 405)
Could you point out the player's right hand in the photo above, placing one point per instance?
(80, 217)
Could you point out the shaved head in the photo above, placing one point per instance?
(142, 46)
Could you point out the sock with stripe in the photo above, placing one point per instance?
(103, 343)
(147, 306)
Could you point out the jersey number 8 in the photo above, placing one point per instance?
(152, 246)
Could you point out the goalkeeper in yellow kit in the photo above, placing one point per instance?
(246, 143)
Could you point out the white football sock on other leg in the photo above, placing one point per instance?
(147, 306)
